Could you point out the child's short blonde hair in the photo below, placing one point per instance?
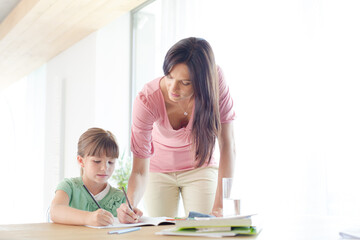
(98, 142)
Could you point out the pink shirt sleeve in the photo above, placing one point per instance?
(227, 113)
(143, 119)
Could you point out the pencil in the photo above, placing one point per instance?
(91, 196)
(122, 188)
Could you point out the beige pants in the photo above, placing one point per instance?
(197, 188)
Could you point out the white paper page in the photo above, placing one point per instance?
(143, 221)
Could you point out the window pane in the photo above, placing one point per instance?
(292, 70)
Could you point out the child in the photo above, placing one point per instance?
(72, 204)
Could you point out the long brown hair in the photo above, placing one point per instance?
(198, 56)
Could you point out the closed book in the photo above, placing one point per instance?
(236, 231)
(237, 221)
(213, 229)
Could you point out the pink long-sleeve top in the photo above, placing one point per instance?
(152, 135)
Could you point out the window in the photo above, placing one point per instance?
(22, 107)
(293, 72)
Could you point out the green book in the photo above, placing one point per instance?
(214, 227)
(235, 231)
(235, 221)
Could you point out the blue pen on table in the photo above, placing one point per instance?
(124, 230)
(91, 196)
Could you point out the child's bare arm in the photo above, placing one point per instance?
(61, 212)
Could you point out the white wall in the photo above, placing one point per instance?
(88, 86)
(76, 68)
(113, 83)
(44, 114)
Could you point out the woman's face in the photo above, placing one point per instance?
(178, 84)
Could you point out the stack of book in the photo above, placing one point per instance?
(214, 227)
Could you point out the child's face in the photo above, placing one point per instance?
(97, 169)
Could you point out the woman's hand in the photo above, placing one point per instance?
(217, 212)
(126, 215)
(100, 217)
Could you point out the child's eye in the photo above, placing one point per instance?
(111, 162)
(96, 161)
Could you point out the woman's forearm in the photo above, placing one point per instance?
(136, 187)
(226, 170)
(227, 161)
(137, 180)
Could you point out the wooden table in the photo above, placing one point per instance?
(303, 228)
(54, 231)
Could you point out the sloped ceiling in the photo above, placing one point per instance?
(6, 6)
(37, 30)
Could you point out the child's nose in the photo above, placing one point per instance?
(104, 166)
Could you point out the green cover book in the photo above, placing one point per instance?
(235, 231)
(235, 221)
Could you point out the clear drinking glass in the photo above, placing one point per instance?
(231, 206)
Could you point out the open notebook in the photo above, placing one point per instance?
(143, 221)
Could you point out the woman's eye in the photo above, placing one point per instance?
(186, 83)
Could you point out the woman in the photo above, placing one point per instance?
(176, 121)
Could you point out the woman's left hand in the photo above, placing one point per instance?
(226, 165)
(217, 212)
(126, 215)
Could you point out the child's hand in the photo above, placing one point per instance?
(125, 215)
(101, 217)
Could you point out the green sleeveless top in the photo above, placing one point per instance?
(80, 198)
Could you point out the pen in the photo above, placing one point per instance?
(125, 230)
(91, 196)
(175, 219)
(127, 198)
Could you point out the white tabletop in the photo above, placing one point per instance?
(305, 227)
